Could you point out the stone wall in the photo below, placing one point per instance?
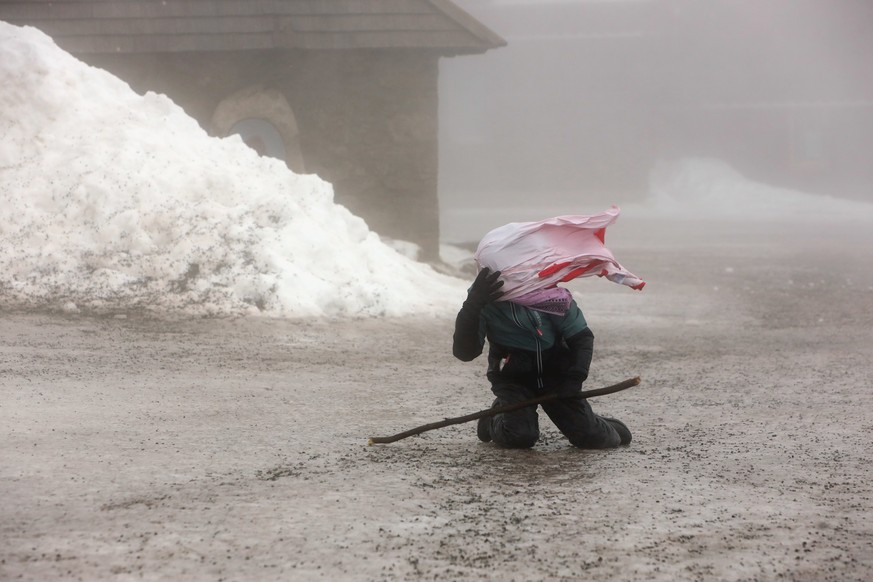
(368, 125)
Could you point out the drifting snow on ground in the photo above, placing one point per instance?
(687, 191)
(114, 200)
(702, 188)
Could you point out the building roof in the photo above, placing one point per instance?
(148, 26)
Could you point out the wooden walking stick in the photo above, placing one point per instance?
(629, 383)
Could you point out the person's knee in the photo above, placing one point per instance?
(600, 434)
(515, 440)
(515, 433)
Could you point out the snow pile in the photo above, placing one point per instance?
(711, 189)
(112, 200)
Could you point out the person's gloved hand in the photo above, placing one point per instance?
(485, 289)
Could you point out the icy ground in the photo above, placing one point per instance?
(236, 449)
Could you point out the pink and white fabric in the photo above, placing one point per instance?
(533, 256)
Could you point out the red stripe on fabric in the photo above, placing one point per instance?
(601, 234)
(573, 274)
(552, 269)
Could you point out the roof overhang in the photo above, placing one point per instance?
(154, 26)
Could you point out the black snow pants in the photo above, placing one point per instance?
(573, 416)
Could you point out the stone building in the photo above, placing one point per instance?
(346, 89)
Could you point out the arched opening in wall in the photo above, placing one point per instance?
(260, 135)
(264, 120)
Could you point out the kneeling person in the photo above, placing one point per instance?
(537, 347)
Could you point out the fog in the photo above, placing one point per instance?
(589, 97)
(234, 447)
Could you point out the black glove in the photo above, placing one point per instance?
(485, 289)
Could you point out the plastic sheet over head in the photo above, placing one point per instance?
(538, 255)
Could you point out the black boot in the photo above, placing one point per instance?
(621, 428)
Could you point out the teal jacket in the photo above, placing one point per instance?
(527, 346)
(517, 327)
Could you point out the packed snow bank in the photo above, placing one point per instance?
(112, 200)
(700, 188)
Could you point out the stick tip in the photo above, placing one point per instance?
(637, 381)
(370, 442)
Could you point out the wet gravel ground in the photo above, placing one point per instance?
(136, 448)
